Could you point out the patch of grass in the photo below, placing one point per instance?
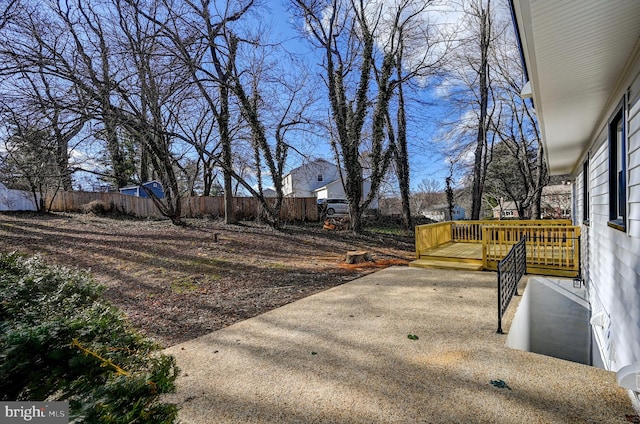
(393, 231)
(204, 261)
(184, 285)
(276, 265)
(192, 284)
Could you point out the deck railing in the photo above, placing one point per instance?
(548, 247)
(431, 236)
(510, 271)
(466, 231)
(551, 244)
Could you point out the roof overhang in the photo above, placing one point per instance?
(575, 54)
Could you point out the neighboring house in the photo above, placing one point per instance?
(319, 179)
(505, 210)
(304, 180)
(139, 191)
(269, 192)
(335, 190)
(441, 213)
(103, 187)
(16, 200)
(583, 64)
(332, 190)
(556, 201)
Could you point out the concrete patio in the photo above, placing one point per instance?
(344, 356)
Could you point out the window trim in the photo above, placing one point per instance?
(586, 201)
(618, 178)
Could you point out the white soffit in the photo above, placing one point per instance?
(575, 52)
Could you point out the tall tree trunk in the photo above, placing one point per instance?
(118, 161)
(542, 178)
(349, 121)
(225, 139)
(402, 152)
(479, 168)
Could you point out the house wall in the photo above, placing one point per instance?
(366, 188)
(302, 181)
(334, 190)
(458, 213)
(131, 191)
(505, 213)
(611, 258)
(16, 200)
(138, 191)
(155, 187)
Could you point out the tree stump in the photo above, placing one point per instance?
(357, 257)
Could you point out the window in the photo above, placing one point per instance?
(319, 177)
(617, 172)
(585, 191)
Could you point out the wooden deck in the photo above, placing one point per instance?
(467, 256)
(552, 247)
(456, 250)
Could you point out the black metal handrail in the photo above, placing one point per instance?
(510, 271)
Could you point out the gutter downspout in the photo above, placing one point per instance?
(516, 28)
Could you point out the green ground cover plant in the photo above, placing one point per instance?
(60, 341)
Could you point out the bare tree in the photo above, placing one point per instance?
(31, 93)
(342, 31)
(429, 192)
(28, 159)
(204, 38)
(365, 43)
(153, 110)
(483, 17)
(518, 170)
(8, 10)
(200, 36)
(418, 52)
(127, 89)
(474, 91)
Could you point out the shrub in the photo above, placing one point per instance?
(60, 341)
(97, 207)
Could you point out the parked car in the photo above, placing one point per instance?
(334, 206)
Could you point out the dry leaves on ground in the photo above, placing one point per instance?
(177, 283)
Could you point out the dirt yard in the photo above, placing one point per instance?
(177, 283)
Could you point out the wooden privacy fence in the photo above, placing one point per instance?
(293, 209)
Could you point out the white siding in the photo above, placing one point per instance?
(16, 200)
(613, 274)
(302, 181)
(633, 158)
(598, 168)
